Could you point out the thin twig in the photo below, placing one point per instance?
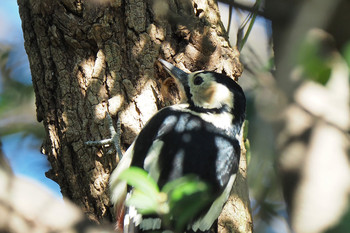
(113, 140)
(250, 18)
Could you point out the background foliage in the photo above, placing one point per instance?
(252, 32)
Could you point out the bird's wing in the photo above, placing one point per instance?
(117, 187)
(175, 143)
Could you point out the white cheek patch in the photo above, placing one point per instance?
(222, 95)
(216, 96)
(212, 95)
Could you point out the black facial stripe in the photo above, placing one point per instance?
(222, 109)
(188, 93)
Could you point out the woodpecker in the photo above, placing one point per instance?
(200, 137)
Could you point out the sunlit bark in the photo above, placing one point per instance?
(92, 57)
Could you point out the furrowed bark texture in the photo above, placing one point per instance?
(92, 57)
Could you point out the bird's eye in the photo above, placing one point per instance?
(198, 80)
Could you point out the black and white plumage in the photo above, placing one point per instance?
(200, 136)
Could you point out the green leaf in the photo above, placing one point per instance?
(188, 207)
(187, 197)
(248, 151)
(245, 129)
(242, 39)
(140, 179)
(316, 62)
(146, 196)
(183, 187)
(346, 53)
(142, 202)
(181, 199)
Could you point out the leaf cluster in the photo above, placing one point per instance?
(177, 203)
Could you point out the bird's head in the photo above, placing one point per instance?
(207, 91)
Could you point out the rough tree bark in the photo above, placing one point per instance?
(92, 57)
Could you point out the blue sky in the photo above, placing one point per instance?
(25, 159)
(9, 17)
(23, 152)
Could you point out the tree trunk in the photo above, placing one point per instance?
(92, 57)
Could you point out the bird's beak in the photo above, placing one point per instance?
(175, 72)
